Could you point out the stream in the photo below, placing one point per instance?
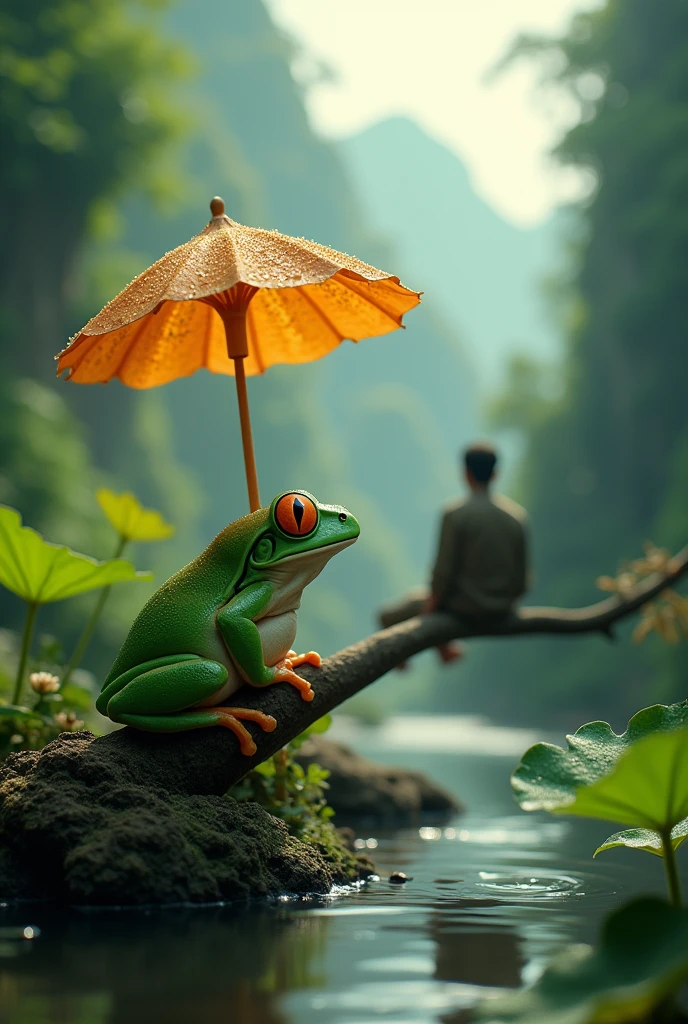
(494, 893)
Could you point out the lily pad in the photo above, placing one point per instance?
(551, 779)
(642, 957)
(646, 788)
(130, 519)
(41, 572)
(644, 839)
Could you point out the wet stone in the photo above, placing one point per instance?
(399, 878)
(364, 792)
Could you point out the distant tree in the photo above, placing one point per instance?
(605, 465)
(82, 112)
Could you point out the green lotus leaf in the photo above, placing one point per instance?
(646, 788)
(130, 519)
(549, 778)
(41, 572)
(641, 958)
(644, 839)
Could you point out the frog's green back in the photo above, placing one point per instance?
(180, 616)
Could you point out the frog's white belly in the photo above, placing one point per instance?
(277, 635)
(277, 626)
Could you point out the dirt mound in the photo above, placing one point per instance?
(77, 826)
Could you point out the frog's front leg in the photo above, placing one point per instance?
(236, 623)
(160, 696)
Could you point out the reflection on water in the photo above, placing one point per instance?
(177, 965)
(494, 893)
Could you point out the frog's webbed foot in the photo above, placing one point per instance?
(229, 718)
(309, 658)
(284, 673)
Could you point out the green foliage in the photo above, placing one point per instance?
(51, 482)
(130, 519)
(549, 778)
(317, 728)
(647, 787)
(524, 401)
(51, 708)
(290, 792)
(85, 107)
(645, 839)
(641, 959)
(40, 572)
(30, 728)
(607, 466)
(639, 779)
(81, 86)
(132, 522)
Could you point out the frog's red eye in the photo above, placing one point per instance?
(296, 515)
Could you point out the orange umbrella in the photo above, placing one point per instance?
(235, 300)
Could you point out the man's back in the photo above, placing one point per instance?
(481, 563)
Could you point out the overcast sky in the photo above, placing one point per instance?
(427, 59)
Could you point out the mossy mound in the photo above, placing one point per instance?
(75, 827)
(362, 791)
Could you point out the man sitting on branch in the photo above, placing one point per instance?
(481, 567)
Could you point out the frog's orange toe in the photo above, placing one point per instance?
(226, 719)
(285, 674)
(229, 718)
(309, 658)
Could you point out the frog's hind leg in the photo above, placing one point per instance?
(187, 720)
(164, 698)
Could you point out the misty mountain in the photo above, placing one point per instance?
(480, 272)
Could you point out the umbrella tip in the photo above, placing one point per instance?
(217, 206)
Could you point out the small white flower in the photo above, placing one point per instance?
(44, 682)
(68, 721)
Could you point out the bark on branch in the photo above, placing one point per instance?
(209, 761)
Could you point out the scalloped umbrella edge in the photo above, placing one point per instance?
(235, 300)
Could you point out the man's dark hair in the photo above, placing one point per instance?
(480, 461)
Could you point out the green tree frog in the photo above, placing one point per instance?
(225, 619)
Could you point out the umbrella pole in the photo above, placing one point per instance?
(234, 320)
(246, 434)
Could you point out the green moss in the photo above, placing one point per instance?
(346, 865)
(77, 827)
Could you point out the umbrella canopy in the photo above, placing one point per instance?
(235, 300)
(299, 300)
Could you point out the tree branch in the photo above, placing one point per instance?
(209, 761)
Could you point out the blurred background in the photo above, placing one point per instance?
(526, 166)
